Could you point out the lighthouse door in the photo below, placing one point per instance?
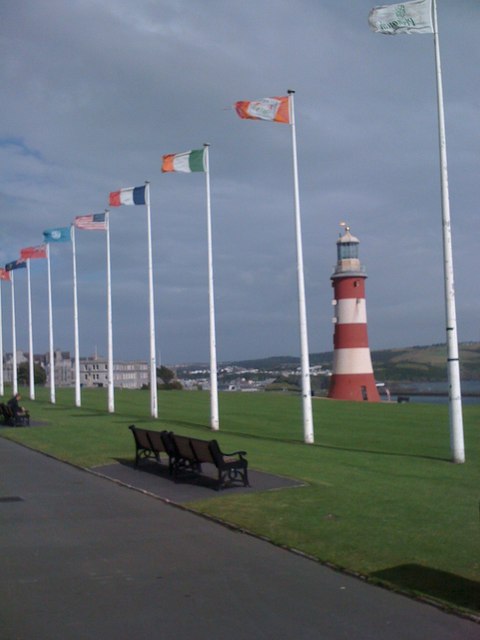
(364, 392)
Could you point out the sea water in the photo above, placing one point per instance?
(437, 392)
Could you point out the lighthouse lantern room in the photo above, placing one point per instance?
(352, 373)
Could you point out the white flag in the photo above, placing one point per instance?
(407, 17)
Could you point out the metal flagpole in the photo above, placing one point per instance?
(14, 341)
(305, 364)
(78, 399)
(50, 329)
(153, 362)
(111, 387)
(214, 419)
(30, 336)
(2, 383)
(455, 397)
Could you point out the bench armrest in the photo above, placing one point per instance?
(234, 453)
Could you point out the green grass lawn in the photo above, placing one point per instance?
(382, 498)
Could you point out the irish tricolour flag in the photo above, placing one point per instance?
(186, 162)
(132, 195)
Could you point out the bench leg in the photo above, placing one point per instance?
(234, 475)
(145, 454)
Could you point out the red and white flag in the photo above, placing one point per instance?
(40, 251)
(273, 109)
(91, 222)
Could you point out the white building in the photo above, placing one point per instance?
(93, 371)
(126, 375)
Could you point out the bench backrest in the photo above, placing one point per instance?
(141, 438)
(201, 449)
(156, 440)
(216, 452)
(183, 448)
(168, 443)
(6, 410)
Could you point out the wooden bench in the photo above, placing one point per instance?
(232, 467)
(148, 444)
(186, 456)
(12, 420)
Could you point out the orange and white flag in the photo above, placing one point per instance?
(274, 109)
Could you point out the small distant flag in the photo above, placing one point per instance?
(132, 195)
(91, 222)
(4, 275)
(408, 17)
(186, 162)
(29, 253)
(273, 109)
(59, 234)
(15, 264)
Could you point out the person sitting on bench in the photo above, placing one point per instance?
(18, 411)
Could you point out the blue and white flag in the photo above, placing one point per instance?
(59, 234)
(408, 17)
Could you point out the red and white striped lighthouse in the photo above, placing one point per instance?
(352, 374)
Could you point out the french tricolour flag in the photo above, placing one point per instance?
(132, 195)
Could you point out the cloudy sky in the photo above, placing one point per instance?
(94, 92)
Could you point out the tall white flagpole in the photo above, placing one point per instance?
(111, 386)
(14, 341)
(455, 396)
(214, 419)
(50, 329)
(30, 336)
(78, 399)
(305, 361)
(153, 361)
(2, 382)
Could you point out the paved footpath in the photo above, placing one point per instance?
(82, 557)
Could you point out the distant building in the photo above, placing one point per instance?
(131, 375)
(8, 364)
(93, 370)
(126, 375)
(63, 365)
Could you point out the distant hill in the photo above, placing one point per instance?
(268, 364)
(425, 363)
(415, 364)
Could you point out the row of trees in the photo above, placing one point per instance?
(167, 376)
(23, 374)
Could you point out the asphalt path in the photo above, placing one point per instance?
(83, 557)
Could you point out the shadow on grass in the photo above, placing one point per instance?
(441, 585)
(195, 425)
(395, 454)
(279, 439)
(171, 424)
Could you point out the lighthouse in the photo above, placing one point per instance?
(352, 374)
